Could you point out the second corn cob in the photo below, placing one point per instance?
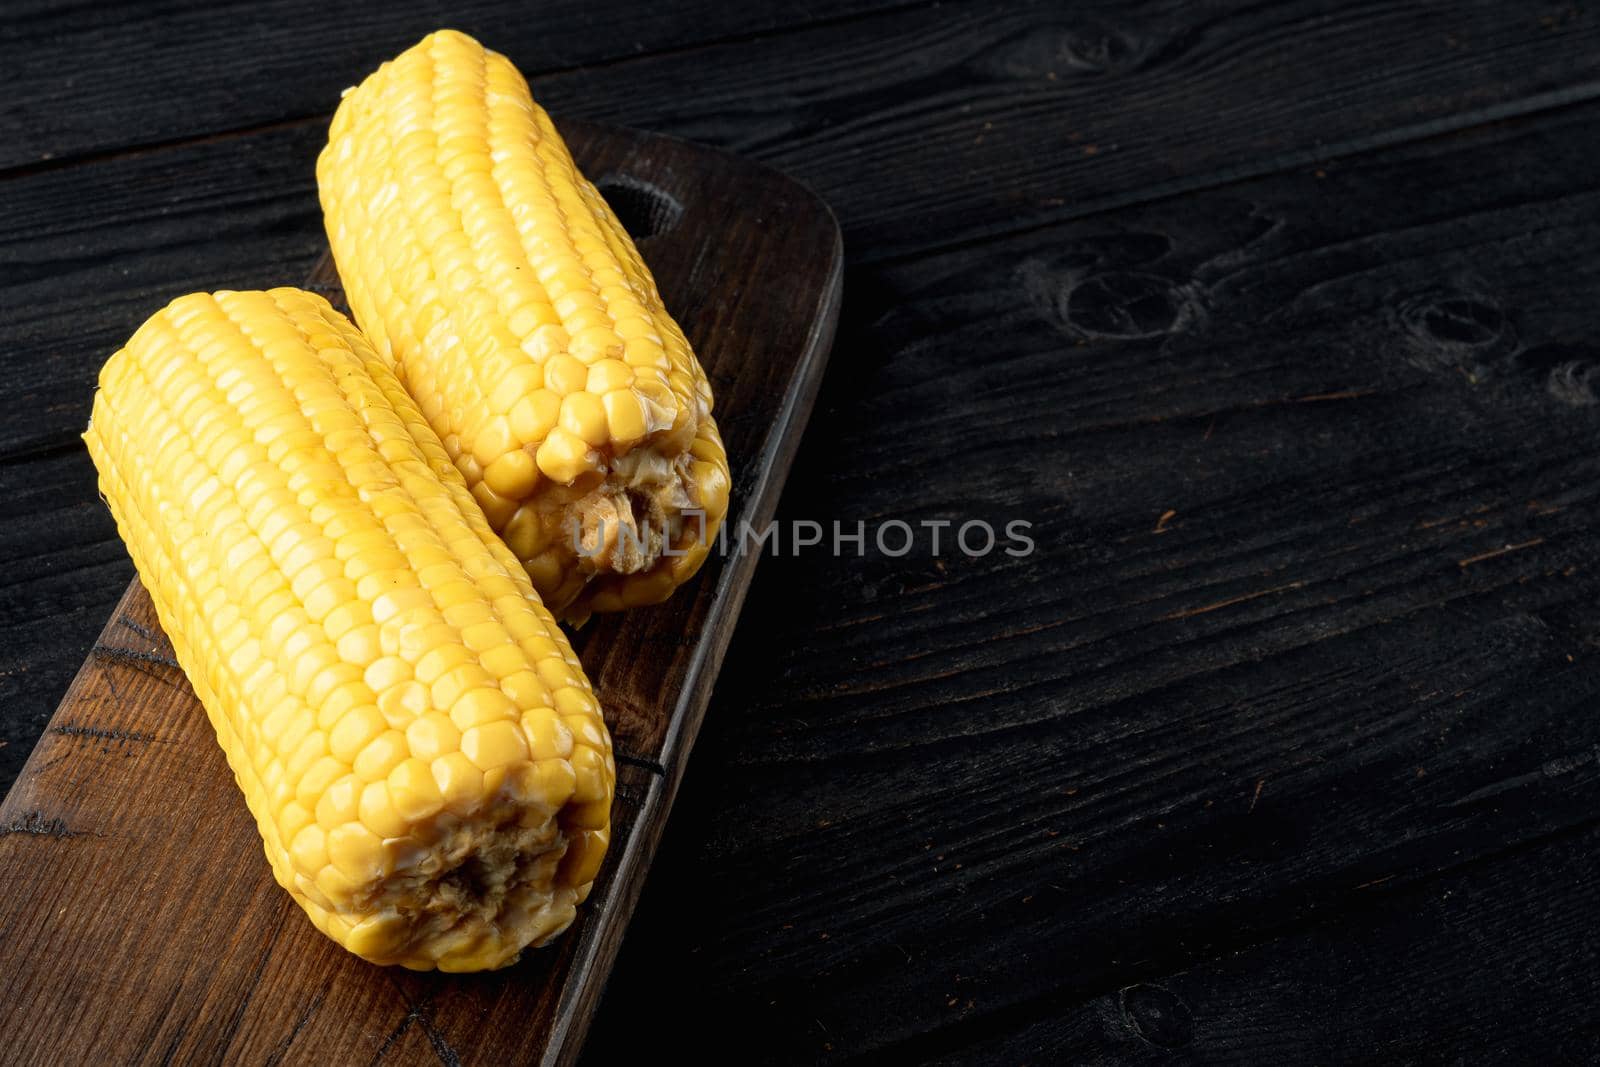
(425, 760)
(516, 309)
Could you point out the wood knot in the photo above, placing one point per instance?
(1456, 329)
(1157, 1016)
(1122, 305)
(1570, 372)
(1458, 321)
(1467, 333)
(1090, 49)
(1100, 49)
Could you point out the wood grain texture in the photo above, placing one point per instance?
(1019, 109)
(941, 124)
(138, 919)
(171, 72)
(1311, 461)
(1459, 970)
(923, 126)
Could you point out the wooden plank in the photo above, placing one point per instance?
(1072, 113)
(1457, 970)
(137, 918)
(87, 253)
(61, 572)
(988, 116)
(942, 124)
(95, 84)
(1311, 464)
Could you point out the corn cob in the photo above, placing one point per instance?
(423, 756)
(517, 311)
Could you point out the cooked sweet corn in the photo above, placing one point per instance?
(424, 758)
(517, 311)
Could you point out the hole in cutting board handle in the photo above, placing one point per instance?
(644, 210)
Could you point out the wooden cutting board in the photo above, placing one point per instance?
(138, 918)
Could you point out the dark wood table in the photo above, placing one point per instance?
(1277, 323)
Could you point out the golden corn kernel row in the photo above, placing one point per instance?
(424, 758)
(517, 311)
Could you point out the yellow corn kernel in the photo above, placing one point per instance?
(535, 415)
(495, 744)
(582, 861)
(512, 475)
(518, 312)
(584, 416)
(413, 792)
(459, 780)
(338, 600)
(377, 812)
